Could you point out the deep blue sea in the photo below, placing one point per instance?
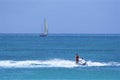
(31, 57)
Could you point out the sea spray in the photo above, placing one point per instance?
(51, 63)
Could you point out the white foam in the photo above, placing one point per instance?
(37, 63)
(51, 63)
(90, 63)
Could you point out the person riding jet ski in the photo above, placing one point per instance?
(80, 60)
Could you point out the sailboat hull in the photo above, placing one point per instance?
(43, 35)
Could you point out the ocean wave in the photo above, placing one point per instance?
(51, 63)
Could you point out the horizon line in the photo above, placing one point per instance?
(55, 33)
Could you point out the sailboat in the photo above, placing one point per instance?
(45, 33)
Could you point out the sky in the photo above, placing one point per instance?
(63, 16)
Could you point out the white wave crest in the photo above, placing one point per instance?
(50, 63)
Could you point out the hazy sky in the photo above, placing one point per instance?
(63, 16)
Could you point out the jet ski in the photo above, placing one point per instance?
(82, 61)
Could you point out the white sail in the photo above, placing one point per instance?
(45, 27)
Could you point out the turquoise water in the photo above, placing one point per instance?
(31, 57)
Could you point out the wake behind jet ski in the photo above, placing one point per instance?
(79, 60)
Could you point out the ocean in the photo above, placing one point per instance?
(31, 57)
